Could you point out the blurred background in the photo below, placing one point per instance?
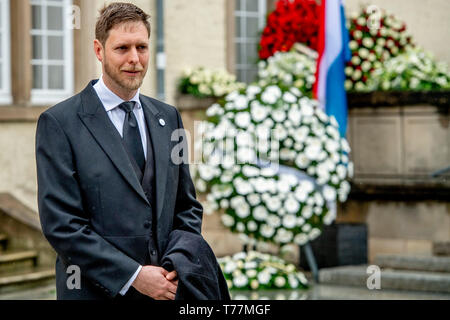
(396, 215)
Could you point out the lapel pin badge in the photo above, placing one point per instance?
(162, 122)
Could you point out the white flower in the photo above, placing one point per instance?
(274, 203)
(206, 172)
(254, 199)
(279, 115)
(244, 139)
(242, 187)
(307, 212)
(334, 179)
(260, 213)
(356, 60)
(279, 132)
(245, 155)
(350, 169)
(348, 84)
(300, 239)
(254, 284)
(302, 161)
(357, 75)
(289, 221)
(289, 97)
(200, 185)
(332, 146)
(306, 227)
(241, 102)
(293, 282)
(258, 111)
(267, 231)
(227, 220)
(251, 273)
(312, 151)
(329, 193)
(306, 109)
(314, 233)
(283, 236)
(353, 45)
(240, 255)
(328, 219)
(242, 119)
(273, 221)
(240, 281)
(283, 187)
(226, 177)
(271, 94)
(252, 91)
(237, 201)
(294, 115)
(213, 110)
(291, 205)
(252, 226)
(224, 203)
(367, 42)
(240, 227)
(250, 171)
(341, 171)
(243, 211)
(319, 199)
(366, 65)
(264, 277)
(230, 266)
(280, 281)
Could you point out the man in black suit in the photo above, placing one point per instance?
(111, 187)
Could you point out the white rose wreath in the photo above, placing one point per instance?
(274, 163)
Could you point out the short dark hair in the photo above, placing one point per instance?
(116, 13)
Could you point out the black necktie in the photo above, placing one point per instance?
(131, 134)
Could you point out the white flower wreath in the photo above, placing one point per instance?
(274, 163)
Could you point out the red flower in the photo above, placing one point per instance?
(292, 21)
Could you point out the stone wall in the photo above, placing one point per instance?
(399, 144)
(17, 160)
(194, 36)
(404, 227)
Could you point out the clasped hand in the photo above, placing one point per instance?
(157, 283)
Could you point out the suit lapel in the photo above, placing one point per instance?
(98, 123)
(160, 137)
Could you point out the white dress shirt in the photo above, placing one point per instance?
(111, 102)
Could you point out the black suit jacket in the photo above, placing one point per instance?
(92, 207)
(199, 273)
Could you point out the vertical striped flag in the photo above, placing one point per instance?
(333, 52)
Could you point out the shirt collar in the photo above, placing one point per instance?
(109, 99)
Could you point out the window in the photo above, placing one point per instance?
(52, 57)
(5, 72)
(250, 19)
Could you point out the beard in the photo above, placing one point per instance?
(121, 80)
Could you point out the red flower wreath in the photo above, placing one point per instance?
(292, 21)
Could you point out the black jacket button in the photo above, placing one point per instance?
(147, 224)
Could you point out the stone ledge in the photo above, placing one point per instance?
(185, 102)
(390, 279)
(439, 98)
(418, 263)
(400, 192)
(441, 248)
(15, 209)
